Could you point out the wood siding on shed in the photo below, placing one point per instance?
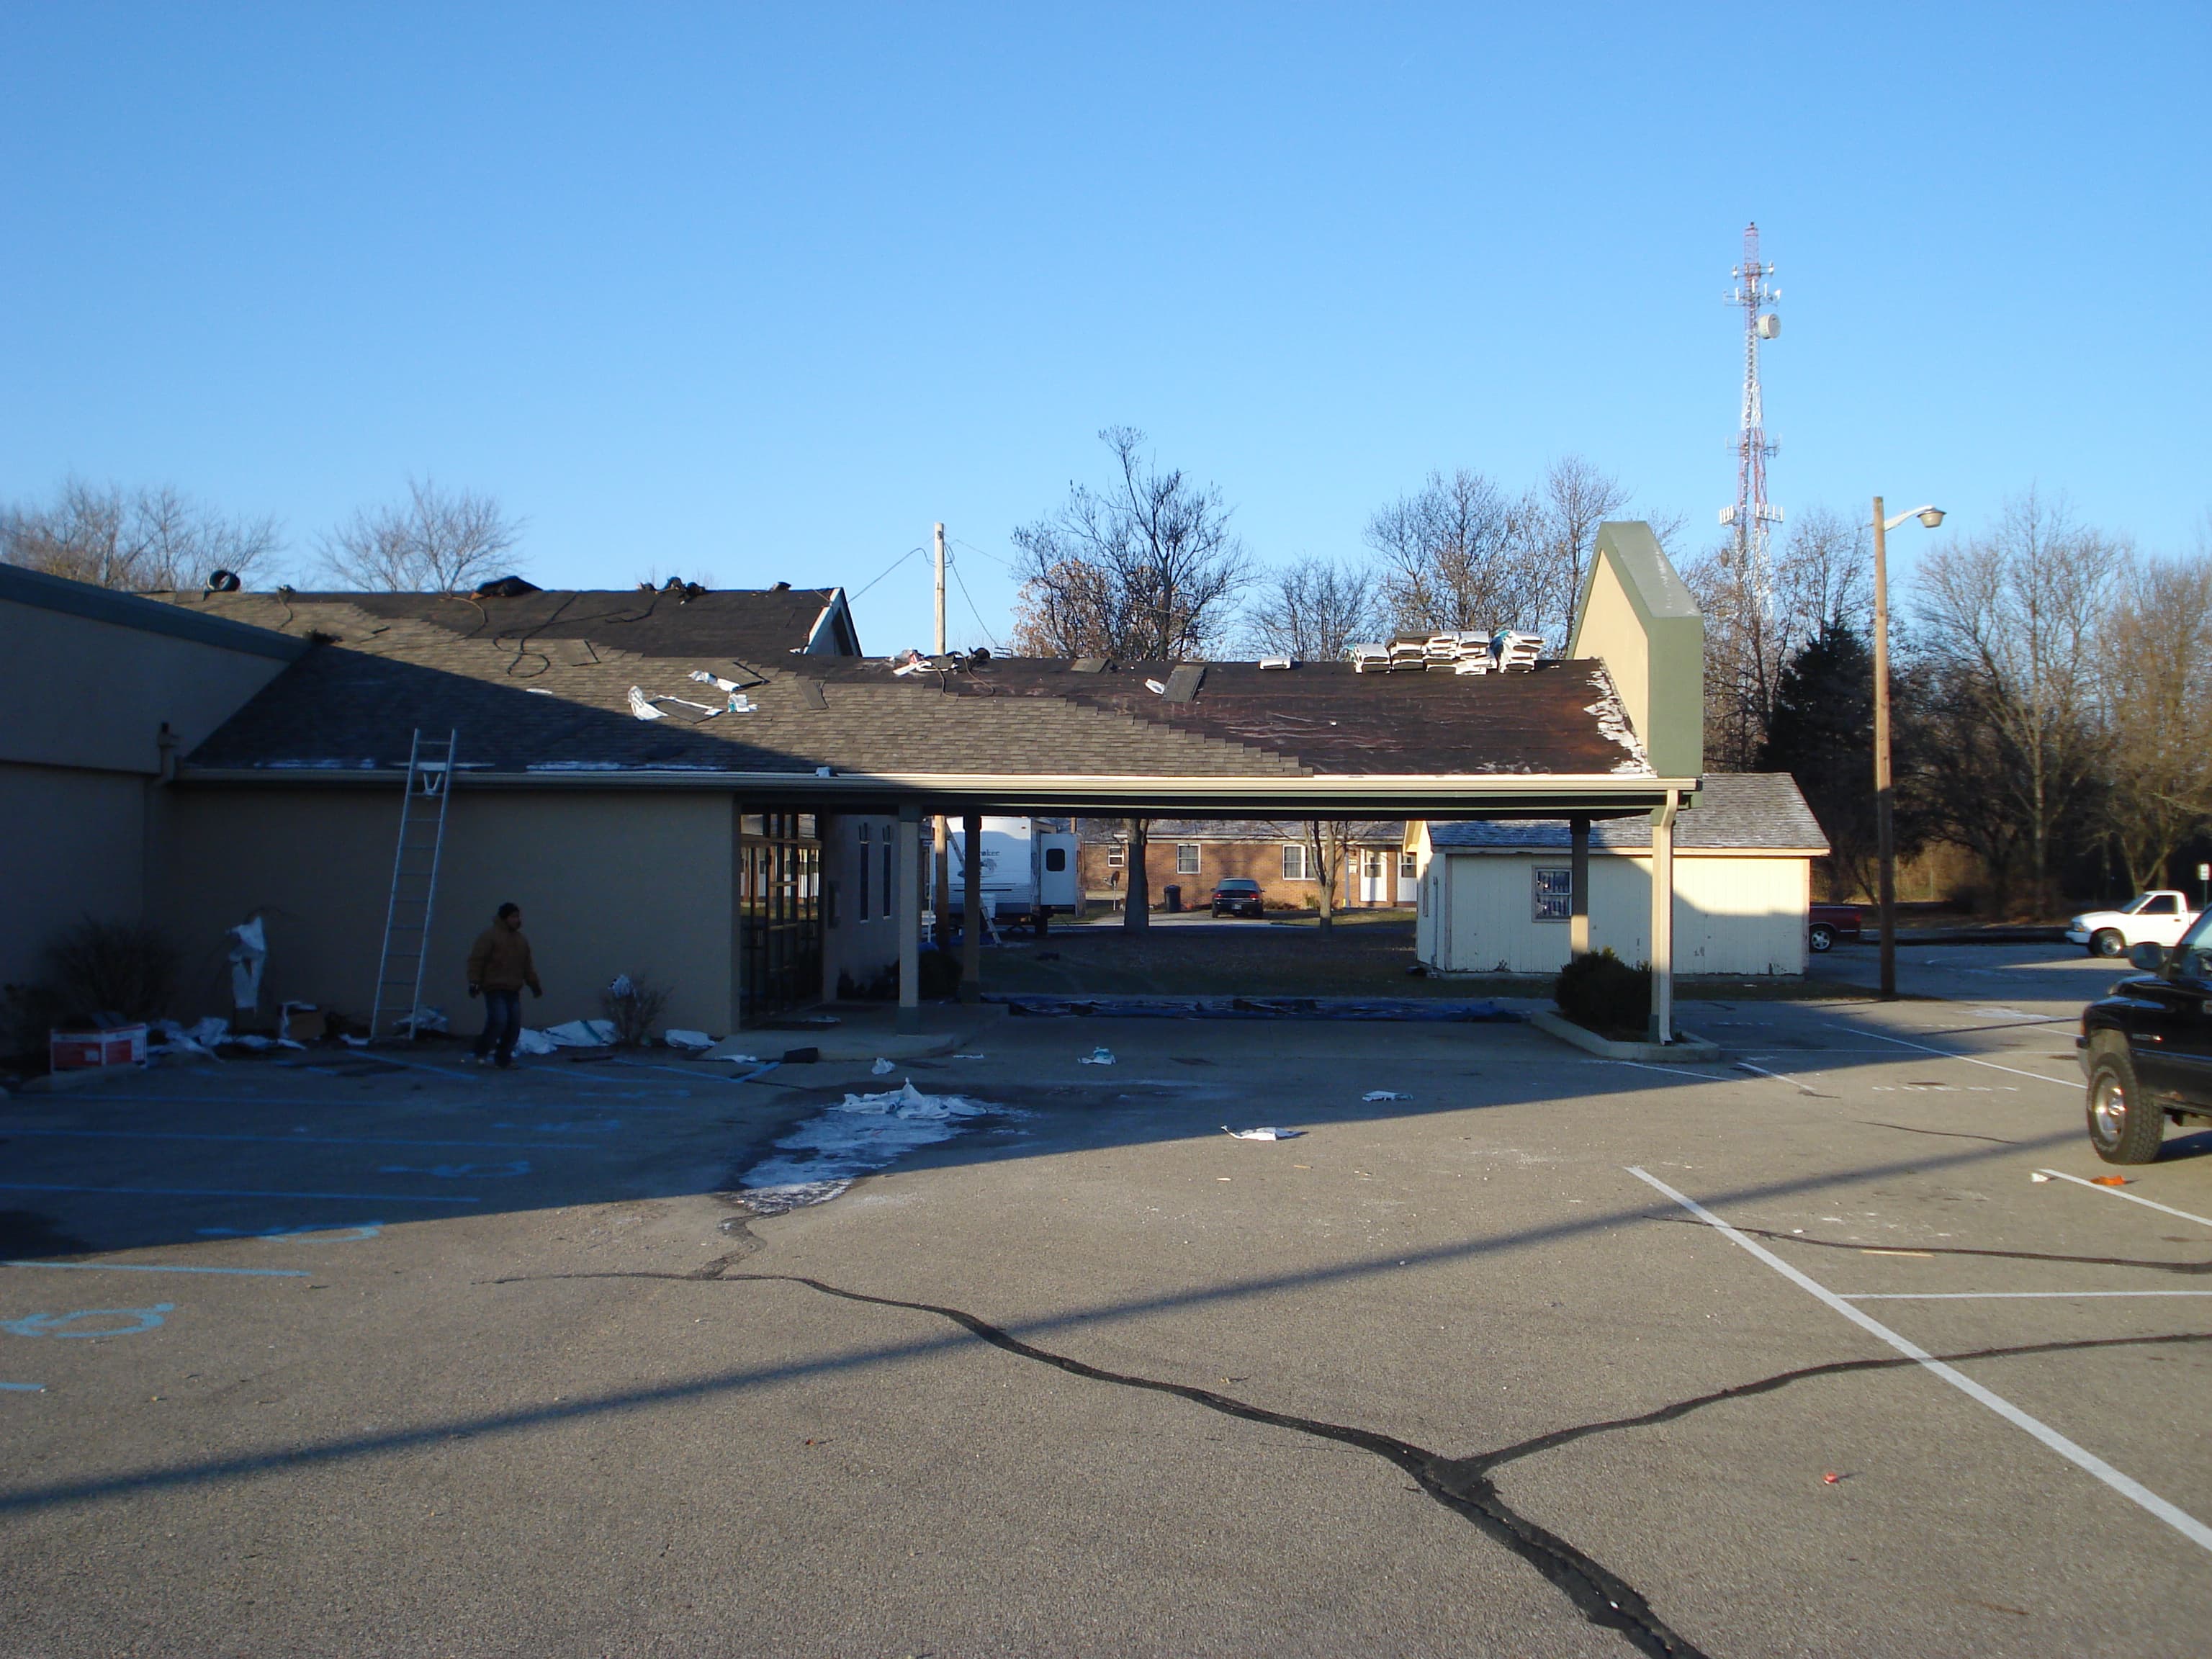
(1732, 915)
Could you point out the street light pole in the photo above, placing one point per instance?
(1884, 830)
(1884, 826)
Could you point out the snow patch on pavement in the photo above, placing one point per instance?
(858, 1136)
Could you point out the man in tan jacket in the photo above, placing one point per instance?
(499, 967)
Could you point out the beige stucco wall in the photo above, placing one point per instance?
(72, 844)
(82, 703)
(1733, 915)
(94, 694)
(609, 882)
(858, 939)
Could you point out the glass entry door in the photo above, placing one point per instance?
(779, 913)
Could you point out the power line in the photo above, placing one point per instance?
(972, 611)
(994, 557)
(888, 569)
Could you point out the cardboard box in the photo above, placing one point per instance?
(77, 1051)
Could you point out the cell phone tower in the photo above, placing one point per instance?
(1752, 513)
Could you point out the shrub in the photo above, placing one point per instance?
(635, 1005)
(1601, 992)
(89, 970)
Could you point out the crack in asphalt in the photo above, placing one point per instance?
(2187, 1269)
(1948, 1134)
(1459, 1484)
(1463, 1484)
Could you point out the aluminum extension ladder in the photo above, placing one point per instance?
(414, 886)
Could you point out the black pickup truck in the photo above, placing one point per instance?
(2146, 1047)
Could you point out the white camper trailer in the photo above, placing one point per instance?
(1028, 870)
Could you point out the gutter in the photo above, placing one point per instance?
(1396, 794)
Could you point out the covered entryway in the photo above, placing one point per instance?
(779, 913)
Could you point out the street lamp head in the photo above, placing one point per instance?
(1931, 516)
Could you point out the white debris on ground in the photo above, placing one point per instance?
(859, 1135)
(693, 1040)
(535, 1043)
(1101, 1056)
(882, 1067)
(1384, 1094)
(582, 1034)
(1262, 1134)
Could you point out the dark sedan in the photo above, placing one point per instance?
(1237, 896)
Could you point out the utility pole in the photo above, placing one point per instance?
(940, 590)
(941, 827)
(1884, 831)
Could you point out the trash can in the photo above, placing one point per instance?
(1174, 898)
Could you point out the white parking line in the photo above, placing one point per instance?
(308, 1140)
(2127, 1485)
(161, 1268)
(2114, 1192)
(2060, 1082)
(1999, 1296)
(212, 1192)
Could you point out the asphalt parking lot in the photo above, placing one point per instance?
(1790, 1354)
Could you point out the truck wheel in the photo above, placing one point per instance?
(1821, 937)
(2124, 1127)
(2107, 942)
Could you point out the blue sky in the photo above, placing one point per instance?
(755, 292)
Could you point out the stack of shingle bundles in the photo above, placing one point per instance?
(1369, 659)
(1408, 653)
(1516, 653)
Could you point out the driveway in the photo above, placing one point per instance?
(1793, 1354)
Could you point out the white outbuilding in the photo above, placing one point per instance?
(1496, 894)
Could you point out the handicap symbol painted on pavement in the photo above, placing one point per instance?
(318, 1235)
(460, 1171)
(140, 1319)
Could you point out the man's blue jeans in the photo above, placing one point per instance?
(502, 1024)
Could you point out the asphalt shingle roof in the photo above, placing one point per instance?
(532, 690)
(1747, 812)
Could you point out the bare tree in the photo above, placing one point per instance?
(1574, 499)
(1457, 554)
(438, 541)
(2157, 654)
(2016, 617)
(1325, 849)
(146, 540)
(1145, 571)
(1310, 610)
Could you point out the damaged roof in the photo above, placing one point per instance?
(1736, 812)
(765, 623)
(548, 685)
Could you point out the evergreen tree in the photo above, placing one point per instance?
(1822, 734)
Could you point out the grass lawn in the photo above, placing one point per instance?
(1367, 954)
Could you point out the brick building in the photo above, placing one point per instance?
(1194, 854)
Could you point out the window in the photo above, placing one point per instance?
(1055, 859)
(863, 862)
(1186, 858)
(2160, 904)
(1294, 861)
(1554, 891)
(890, 893)
(1409, 866)
(1116, 855)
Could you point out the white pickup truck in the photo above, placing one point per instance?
(2158, 917)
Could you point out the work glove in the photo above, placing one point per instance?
(473, 989)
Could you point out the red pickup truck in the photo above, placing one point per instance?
(1827, 923)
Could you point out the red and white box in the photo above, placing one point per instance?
(79, 1051)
